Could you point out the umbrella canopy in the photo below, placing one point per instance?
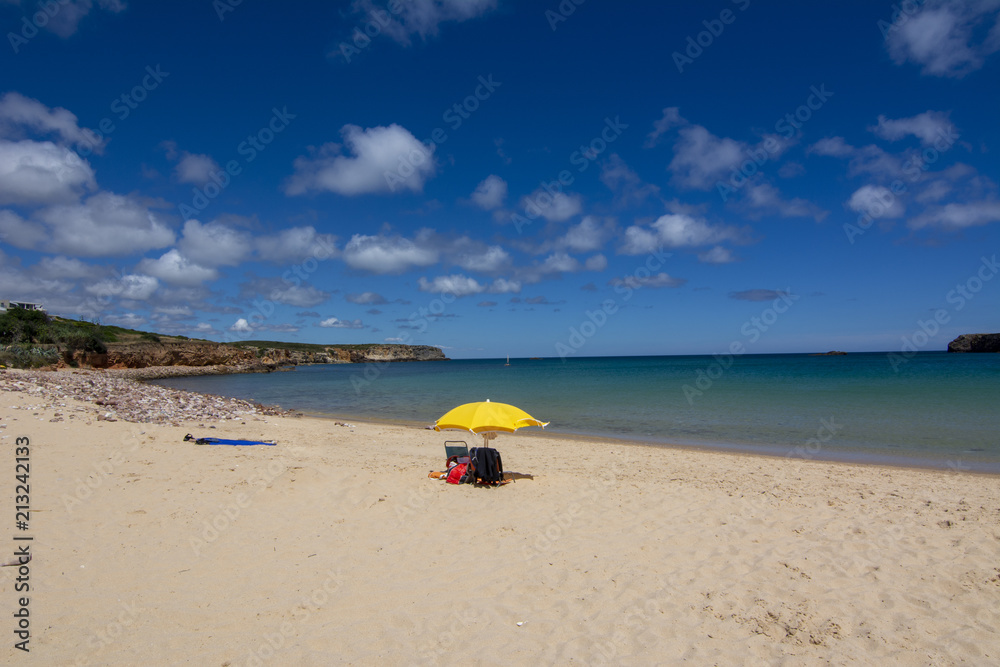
(484, 417)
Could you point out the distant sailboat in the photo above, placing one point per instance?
(508, 361)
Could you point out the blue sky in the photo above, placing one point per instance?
(501, 177)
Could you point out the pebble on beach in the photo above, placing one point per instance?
(118, 395)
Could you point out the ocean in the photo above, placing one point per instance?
(933, 409)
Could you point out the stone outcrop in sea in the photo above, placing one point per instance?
(976, 343)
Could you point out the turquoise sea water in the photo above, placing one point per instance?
(935, 409)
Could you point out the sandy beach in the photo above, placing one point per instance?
(334, 547)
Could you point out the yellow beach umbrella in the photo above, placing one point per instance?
(486, 417)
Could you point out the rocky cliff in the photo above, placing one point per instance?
(246, 358)
(186, 353)
(976, 343)
(337, 355)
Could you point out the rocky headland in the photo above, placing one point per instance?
(983, 342)
(148, 359)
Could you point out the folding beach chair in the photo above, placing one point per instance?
(455, 450)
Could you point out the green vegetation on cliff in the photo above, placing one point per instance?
(33, 338)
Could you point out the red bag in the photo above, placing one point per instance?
(456, 473)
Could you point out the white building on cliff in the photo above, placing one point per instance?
(7, 305)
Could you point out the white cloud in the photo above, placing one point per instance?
(39, 173)
(490, 193)
(671, 118)
(944, 36)
(380, 254)
(196, 169)
(676, 230)
(866, 160)
(876, 201)
(241, 326)
(639, 241)
(20, 233)
(958, 216)
(625, 182)
(296, 244)
(717, 255)
(833, 147)
(384, 159)
(301, 296)
(589, 235)
(334, 323)
(172, 267)
(421, 17)
(19, 114)
(214, 244)
(366, 298)
(65, 21)
(64, 267)
(456, 285)
(701, 158)
(129, 287)
(930, 126)
(766, 196)
(560, 262)
(596, 263)
(655, 281)
(554, 208)
(504, 286)
(490, 260)
(105, 225)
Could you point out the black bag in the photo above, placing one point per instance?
(485, 466)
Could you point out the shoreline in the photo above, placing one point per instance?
(223, 407)
(304, 552)
(903, 462)
(866, 460)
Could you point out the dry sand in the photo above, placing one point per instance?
(334, 547)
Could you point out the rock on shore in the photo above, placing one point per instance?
(116, 395)
(976, 343)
